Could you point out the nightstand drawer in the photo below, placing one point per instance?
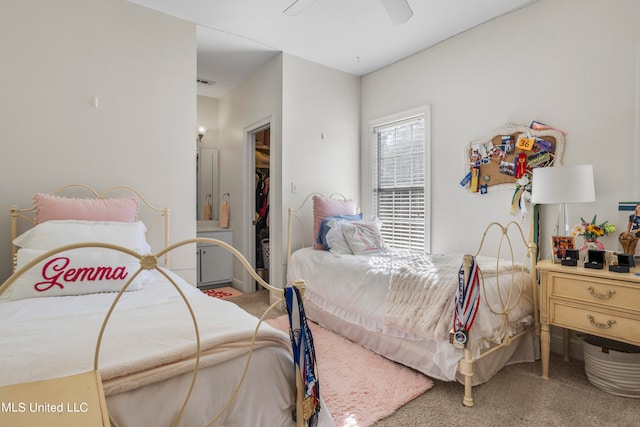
(596, 322)
(598, 291)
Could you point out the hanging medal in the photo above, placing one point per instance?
(466, 305)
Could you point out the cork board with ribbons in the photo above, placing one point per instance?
(504, 156)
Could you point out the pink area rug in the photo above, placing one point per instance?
(359, 386)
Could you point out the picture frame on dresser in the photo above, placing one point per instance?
(559, 247)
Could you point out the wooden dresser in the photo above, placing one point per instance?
(596, 302)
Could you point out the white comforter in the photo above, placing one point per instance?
(411, 297)
(150, 335)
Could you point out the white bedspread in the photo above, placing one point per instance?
(359, 289)
(349, 294)
(150, 335)
(147, 355)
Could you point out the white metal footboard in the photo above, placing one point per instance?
(505, 242)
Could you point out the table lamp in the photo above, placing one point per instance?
(561, 185)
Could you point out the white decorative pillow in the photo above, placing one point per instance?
(335, 238)
(363, 237)
(324, 226)
(75, 272)
(55, 233)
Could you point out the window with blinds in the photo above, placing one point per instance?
(399, 182)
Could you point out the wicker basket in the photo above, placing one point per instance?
(612, 366)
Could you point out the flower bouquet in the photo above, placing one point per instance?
(592, 230)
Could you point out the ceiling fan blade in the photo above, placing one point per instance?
(399, 10)
(297, 7)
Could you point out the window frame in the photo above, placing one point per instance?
(368, 146)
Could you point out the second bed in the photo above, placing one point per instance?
(400, 304)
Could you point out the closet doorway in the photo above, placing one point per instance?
(262, 138)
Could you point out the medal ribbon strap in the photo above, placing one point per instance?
(467, 298)
(304, 354)
(516, 200)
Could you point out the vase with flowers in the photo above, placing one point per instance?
(591, 231)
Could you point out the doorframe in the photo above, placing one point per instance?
(249, 208)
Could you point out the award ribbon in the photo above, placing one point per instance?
(467, 302)
(304, 354)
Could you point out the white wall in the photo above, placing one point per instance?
(256, 100)
(569, 63)
(302, 100)
(320, 134)
(140, 64)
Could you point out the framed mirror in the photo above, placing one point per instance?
(207, 184)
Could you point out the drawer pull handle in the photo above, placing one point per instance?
(593, 293)
(607, 325)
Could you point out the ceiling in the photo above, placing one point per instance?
(236, 37)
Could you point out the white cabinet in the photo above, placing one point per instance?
(215, 264)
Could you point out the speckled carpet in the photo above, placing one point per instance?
(516, 397)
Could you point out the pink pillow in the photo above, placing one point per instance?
(50, 207)
(324, 207)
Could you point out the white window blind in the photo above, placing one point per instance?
(399, 182)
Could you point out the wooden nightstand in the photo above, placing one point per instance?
(596, 302)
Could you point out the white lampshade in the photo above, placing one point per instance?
(563, 184)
